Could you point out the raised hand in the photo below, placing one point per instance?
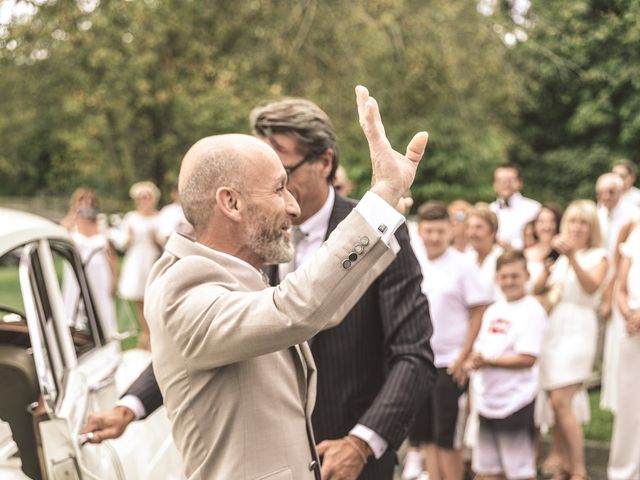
(393, 173)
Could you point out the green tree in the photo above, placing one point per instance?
(109, 93)
(579, 101)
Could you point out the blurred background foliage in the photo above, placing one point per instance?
(105, 93)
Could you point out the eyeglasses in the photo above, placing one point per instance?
(290, 170)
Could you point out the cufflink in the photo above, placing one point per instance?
(382, 228)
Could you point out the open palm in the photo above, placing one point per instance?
(392, 172)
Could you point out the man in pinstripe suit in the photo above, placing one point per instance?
(375, 368)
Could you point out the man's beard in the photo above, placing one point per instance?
(267, 239)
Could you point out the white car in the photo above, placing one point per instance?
(57, 365)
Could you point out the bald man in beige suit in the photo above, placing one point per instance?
(229, 352)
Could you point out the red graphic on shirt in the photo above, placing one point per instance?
(499, 325)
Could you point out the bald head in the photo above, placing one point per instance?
(211, 163)
(609, 180)
(609, 189)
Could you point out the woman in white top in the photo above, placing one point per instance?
(546, 225)
(570, 345)
(624, 458)
(142, 250)
(482, 228)
(97, 256)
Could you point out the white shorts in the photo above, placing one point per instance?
(511, 453)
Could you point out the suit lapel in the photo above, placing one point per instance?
(341, 208)
(302, 353)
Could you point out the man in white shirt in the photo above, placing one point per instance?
(613, 213)
(457, 300)
(627, 171)
(513, 210)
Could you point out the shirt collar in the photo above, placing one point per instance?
(317, 224)
(511, 201)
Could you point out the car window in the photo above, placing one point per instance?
(12, 320)
(79, 312)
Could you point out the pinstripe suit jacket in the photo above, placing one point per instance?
(375, 367)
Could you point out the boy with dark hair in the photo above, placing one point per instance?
(457, 299)
(506, 382)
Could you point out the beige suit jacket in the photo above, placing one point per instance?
(229, 352)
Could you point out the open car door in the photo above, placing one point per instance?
(79, 370)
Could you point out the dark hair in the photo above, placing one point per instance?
(303, 120)
(557, 214)
(432, 211)
(511, 256)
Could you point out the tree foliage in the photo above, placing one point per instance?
(109, 93)
(579, 94)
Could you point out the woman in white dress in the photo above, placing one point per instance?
(482, 227)
(142, 250)
(624, 457)
(569, 349)
(97, 256)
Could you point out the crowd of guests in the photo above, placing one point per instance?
(515, 289)
(140, 235)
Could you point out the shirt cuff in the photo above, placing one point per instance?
(380, 215)
(377, 444)
(134, 404)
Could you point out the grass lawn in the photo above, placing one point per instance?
(601, 424)
(9, 288)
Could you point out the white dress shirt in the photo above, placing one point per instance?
(611, 221)
(381, 216)
(632, 196)
(512, 218)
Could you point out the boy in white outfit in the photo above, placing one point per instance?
(506, 382)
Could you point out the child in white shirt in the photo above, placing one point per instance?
(506, 382)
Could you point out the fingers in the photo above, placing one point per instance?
(369, 116)
(362, 95)
(91, 425)
(417, 146)
(323, 446)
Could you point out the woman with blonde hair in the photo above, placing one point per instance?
(142, 250)
(481, 229)
(569, 349)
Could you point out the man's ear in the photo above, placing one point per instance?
(230, 203)
(326, 163)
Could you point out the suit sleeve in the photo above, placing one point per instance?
(407, 329)
(146, 389)
(215, 325)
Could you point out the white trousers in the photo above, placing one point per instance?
(624, 457)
